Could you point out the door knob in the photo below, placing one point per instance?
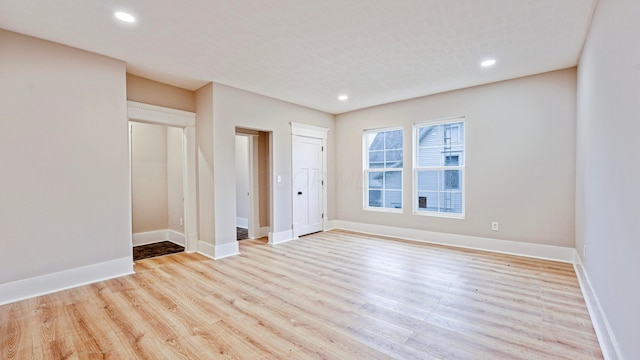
(299, 192)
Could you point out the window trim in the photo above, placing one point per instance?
(366, 169)
(416, 145)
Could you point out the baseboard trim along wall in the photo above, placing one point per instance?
(206, 249)
(63, 280)
(217, 252)
(280, 237)
(538, 251)
(606, 338)
(242, 223)
(225, 250)
(151, 237)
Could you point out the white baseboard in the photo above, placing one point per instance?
(63, 280)
(538, 251)
(151, 237)
(206, 249)
(176, 237)
(217, 252)
(280, 237)
(330, 225)
(242, 223)
(225, 250)
(606, 338)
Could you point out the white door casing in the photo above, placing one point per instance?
(253, 214)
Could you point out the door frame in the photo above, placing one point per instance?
(159, 115)
(312, 131)
(253, 226)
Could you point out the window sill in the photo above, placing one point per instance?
(441, 215)
(384, 210)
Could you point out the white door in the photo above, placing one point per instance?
(307, 185)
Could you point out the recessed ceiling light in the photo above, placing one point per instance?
(343, 97)
(488, 62)
(126, 17)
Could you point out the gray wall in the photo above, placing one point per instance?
(64, 182)
(608, 174)
(520, 159)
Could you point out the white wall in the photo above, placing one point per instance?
(175, 161)
(242, 177)
(149, 195)
(64, 182)
(520, 159)
(608, 196)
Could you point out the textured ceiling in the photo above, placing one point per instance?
(309, 51)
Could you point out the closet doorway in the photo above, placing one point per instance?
(253, 203)
(157, 215)
(163, 181)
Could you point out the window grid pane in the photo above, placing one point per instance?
(437, 188)
(384, 154)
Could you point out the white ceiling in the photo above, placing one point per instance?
(309, 51)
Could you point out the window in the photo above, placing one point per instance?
(383, 169)
(438, 175)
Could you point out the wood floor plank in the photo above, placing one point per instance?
(333, 295)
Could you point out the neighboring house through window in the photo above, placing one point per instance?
(383, 163)
(439, 168)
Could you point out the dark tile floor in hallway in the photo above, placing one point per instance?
(155, 249)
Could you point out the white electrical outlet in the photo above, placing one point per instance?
(181, 222)
(495, 226)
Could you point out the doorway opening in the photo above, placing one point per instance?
(253, 199)
(157, 215)
(163, 182)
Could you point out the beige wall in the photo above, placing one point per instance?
(175, 160)
(64, 182)
(155, 93)
(149, 177)
(608, 196)
(520, 154)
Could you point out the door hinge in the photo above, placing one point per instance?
(323, 216)
(322, 182)
(322, 148)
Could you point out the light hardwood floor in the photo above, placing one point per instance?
(333, 295)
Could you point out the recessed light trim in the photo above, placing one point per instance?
(488, 62)
(126, 17)
(343, 97)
